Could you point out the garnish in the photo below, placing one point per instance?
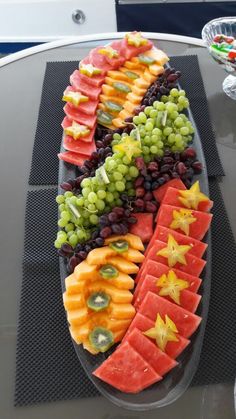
(174, 252)
(171, 285)
(109, 52)
(182, 220)
(136, 39)
(89, 70)
(129, 146)
(192, 197)
(77, 131)
(74, 97)
(163, 332)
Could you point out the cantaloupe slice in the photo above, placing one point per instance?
(122, 281)
(133, 255)
(118, 122)
(99, 255)
(117, 295)
(138, 91)
(158, 55)
(121, 311)
(118, 75)
(110, 91)
(105, 98)
(134, 241)
(148, 76)
(84, 271)
(124, 114)
(73, 301)
(141, 83)
(77, 317)
(123, 265)
(138, 71)
(130, 107)
(110, 81)
(73, 286)
(134, 98)
(133, 65)
(156, 69)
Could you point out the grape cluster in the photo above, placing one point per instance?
(116, 222)
(162, 86)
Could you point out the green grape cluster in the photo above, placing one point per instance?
(163, 125)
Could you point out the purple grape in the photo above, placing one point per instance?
(105, 232)
(112, 217)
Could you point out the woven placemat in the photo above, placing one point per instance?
(44, 168)
(47, 368)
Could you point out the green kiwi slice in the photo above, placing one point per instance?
(98, 301)
(108, 271)
(104, 117)
(121, 87)
(144, 59)
(113, 106)
(131, 75)
(101, 339)
(120, 246)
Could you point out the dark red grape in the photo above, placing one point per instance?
(66, 186)
(67, 249)
(116, 229)
(148, 196)
(140, 192)
(139, 181)
(105, 232)
(151, 206)
(119, 211)
(112, 217)
(140, 163)
(73, 262)
(181, 168)
(153, 166)
(82, 254)
(197, 166)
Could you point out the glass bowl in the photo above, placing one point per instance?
(225, 26)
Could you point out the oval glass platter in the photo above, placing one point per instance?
(176, 382)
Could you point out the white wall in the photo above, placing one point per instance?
(47, 20)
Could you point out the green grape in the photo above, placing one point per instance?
(128, 177)
(178, 122)
(120, 186)
(182, 93)
(184, 130)
(157, 132)
(60, 199)
(86, 183)
(133, 171)
(164, 98)
(91, 207)
(171, 107)
(114, 142)
(119, 202)
(65, 215)
(68, 194)
(62, 207)
(100, 205)
(73, 240)
(142, 132)
(167, 131)
(86, 223)
(136, 120)
(109, 196)
(111, 165)
(181, 100)
(153, 113)
(61, 237)
(131, 192)
(145, 150)
(117, 156)
(86, 192)
(57, 244)
(171, 138)
(80, 201)
(116, 136)
(85, 214)
(142, 117)
(126, 160)
(180, 108)
(154, 138)
(69, 234)
(80, 233)
(69, 227)
(62, 222)
(111, 187)
(174, 115)
(73, 200)
(93, 219)
(123, 169)
(159, 106)
(116, 194)
(174, 92)
(117, 176)
(129, 185)
(101, 194)
(147, 110)
(154, 149)
(92, 197)
(147, 139)
(78, 221)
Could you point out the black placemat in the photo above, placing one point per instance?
(47, 368)
(44, 168)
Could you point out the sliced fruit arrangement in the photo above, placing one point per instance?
(127, 130)
(98, 298)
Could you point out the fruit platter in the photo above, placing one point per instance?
(134, 215)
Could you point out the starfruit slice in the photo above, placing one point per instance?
(174, 252)
(128, 146)
(77, 130)
(135, 39)
(163, 332)
(171, 286)
(182, 220)
(192, 197)
(109, 52)
(74, 97)
(89, 70)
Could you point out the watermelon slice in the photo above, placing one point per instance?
(129, 51)
(157, 269)
(185, 321)
(188, 300)
(73, 158)
(94, 81)
(75, 115)
(173, 183)
(88, 108)
(88, 139)
(126, 370)
(197, 229)
(87, 61)
(194, 265)
(77, 146)
(144, 226)
(161, 233)
(99, 60)
(172, 198)
(149, 351)
(142, 323)
(83, 87)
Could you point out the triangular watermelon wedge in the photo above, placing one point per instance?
(99, 60)
(159, 360)
(76, 115)
(88, 139)
(129, 51)
(83, 87)
(144, 226)
(72, 158)
(186, 322)
(89, 108)
(188, 300)
(142, 323)
(77, 146)
(126, 370)
(172, 195)
(173, 183)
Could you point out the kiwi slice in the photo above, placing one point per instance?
(113, 106)
(144, 59)
(120, 246)
(101, 339)
(108, 271)
(104, 117)
(101, 175)
(98, 301)
(121, 87)
(131, 75)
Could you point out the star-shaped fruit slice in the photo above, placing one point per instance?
(182, 220)
(109, 52)
(89, 70)
(163, 332)
(174, 252)
(129, 146)
(74, 97)
(136, 39)
(171, 286)
(77, 131)
(192, 197)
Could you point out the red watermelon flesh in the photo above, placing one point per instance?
(185, 321)
(83, 87)
(88, 108)
(96, 81)
(194, 265)
(88, 139)
(172, 198)
(75, 115)
(161, 233)
(126, 370)
(99, 60)
(197, 229)
(188, 300)
(144, 226)
(87, 61)
(142, 323)
(129, 51)
(149, 351)
(73, 158)
(77, 146)
(157, 269)
(174, 183)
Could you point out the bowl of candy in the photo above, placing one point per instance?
(219, 36)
